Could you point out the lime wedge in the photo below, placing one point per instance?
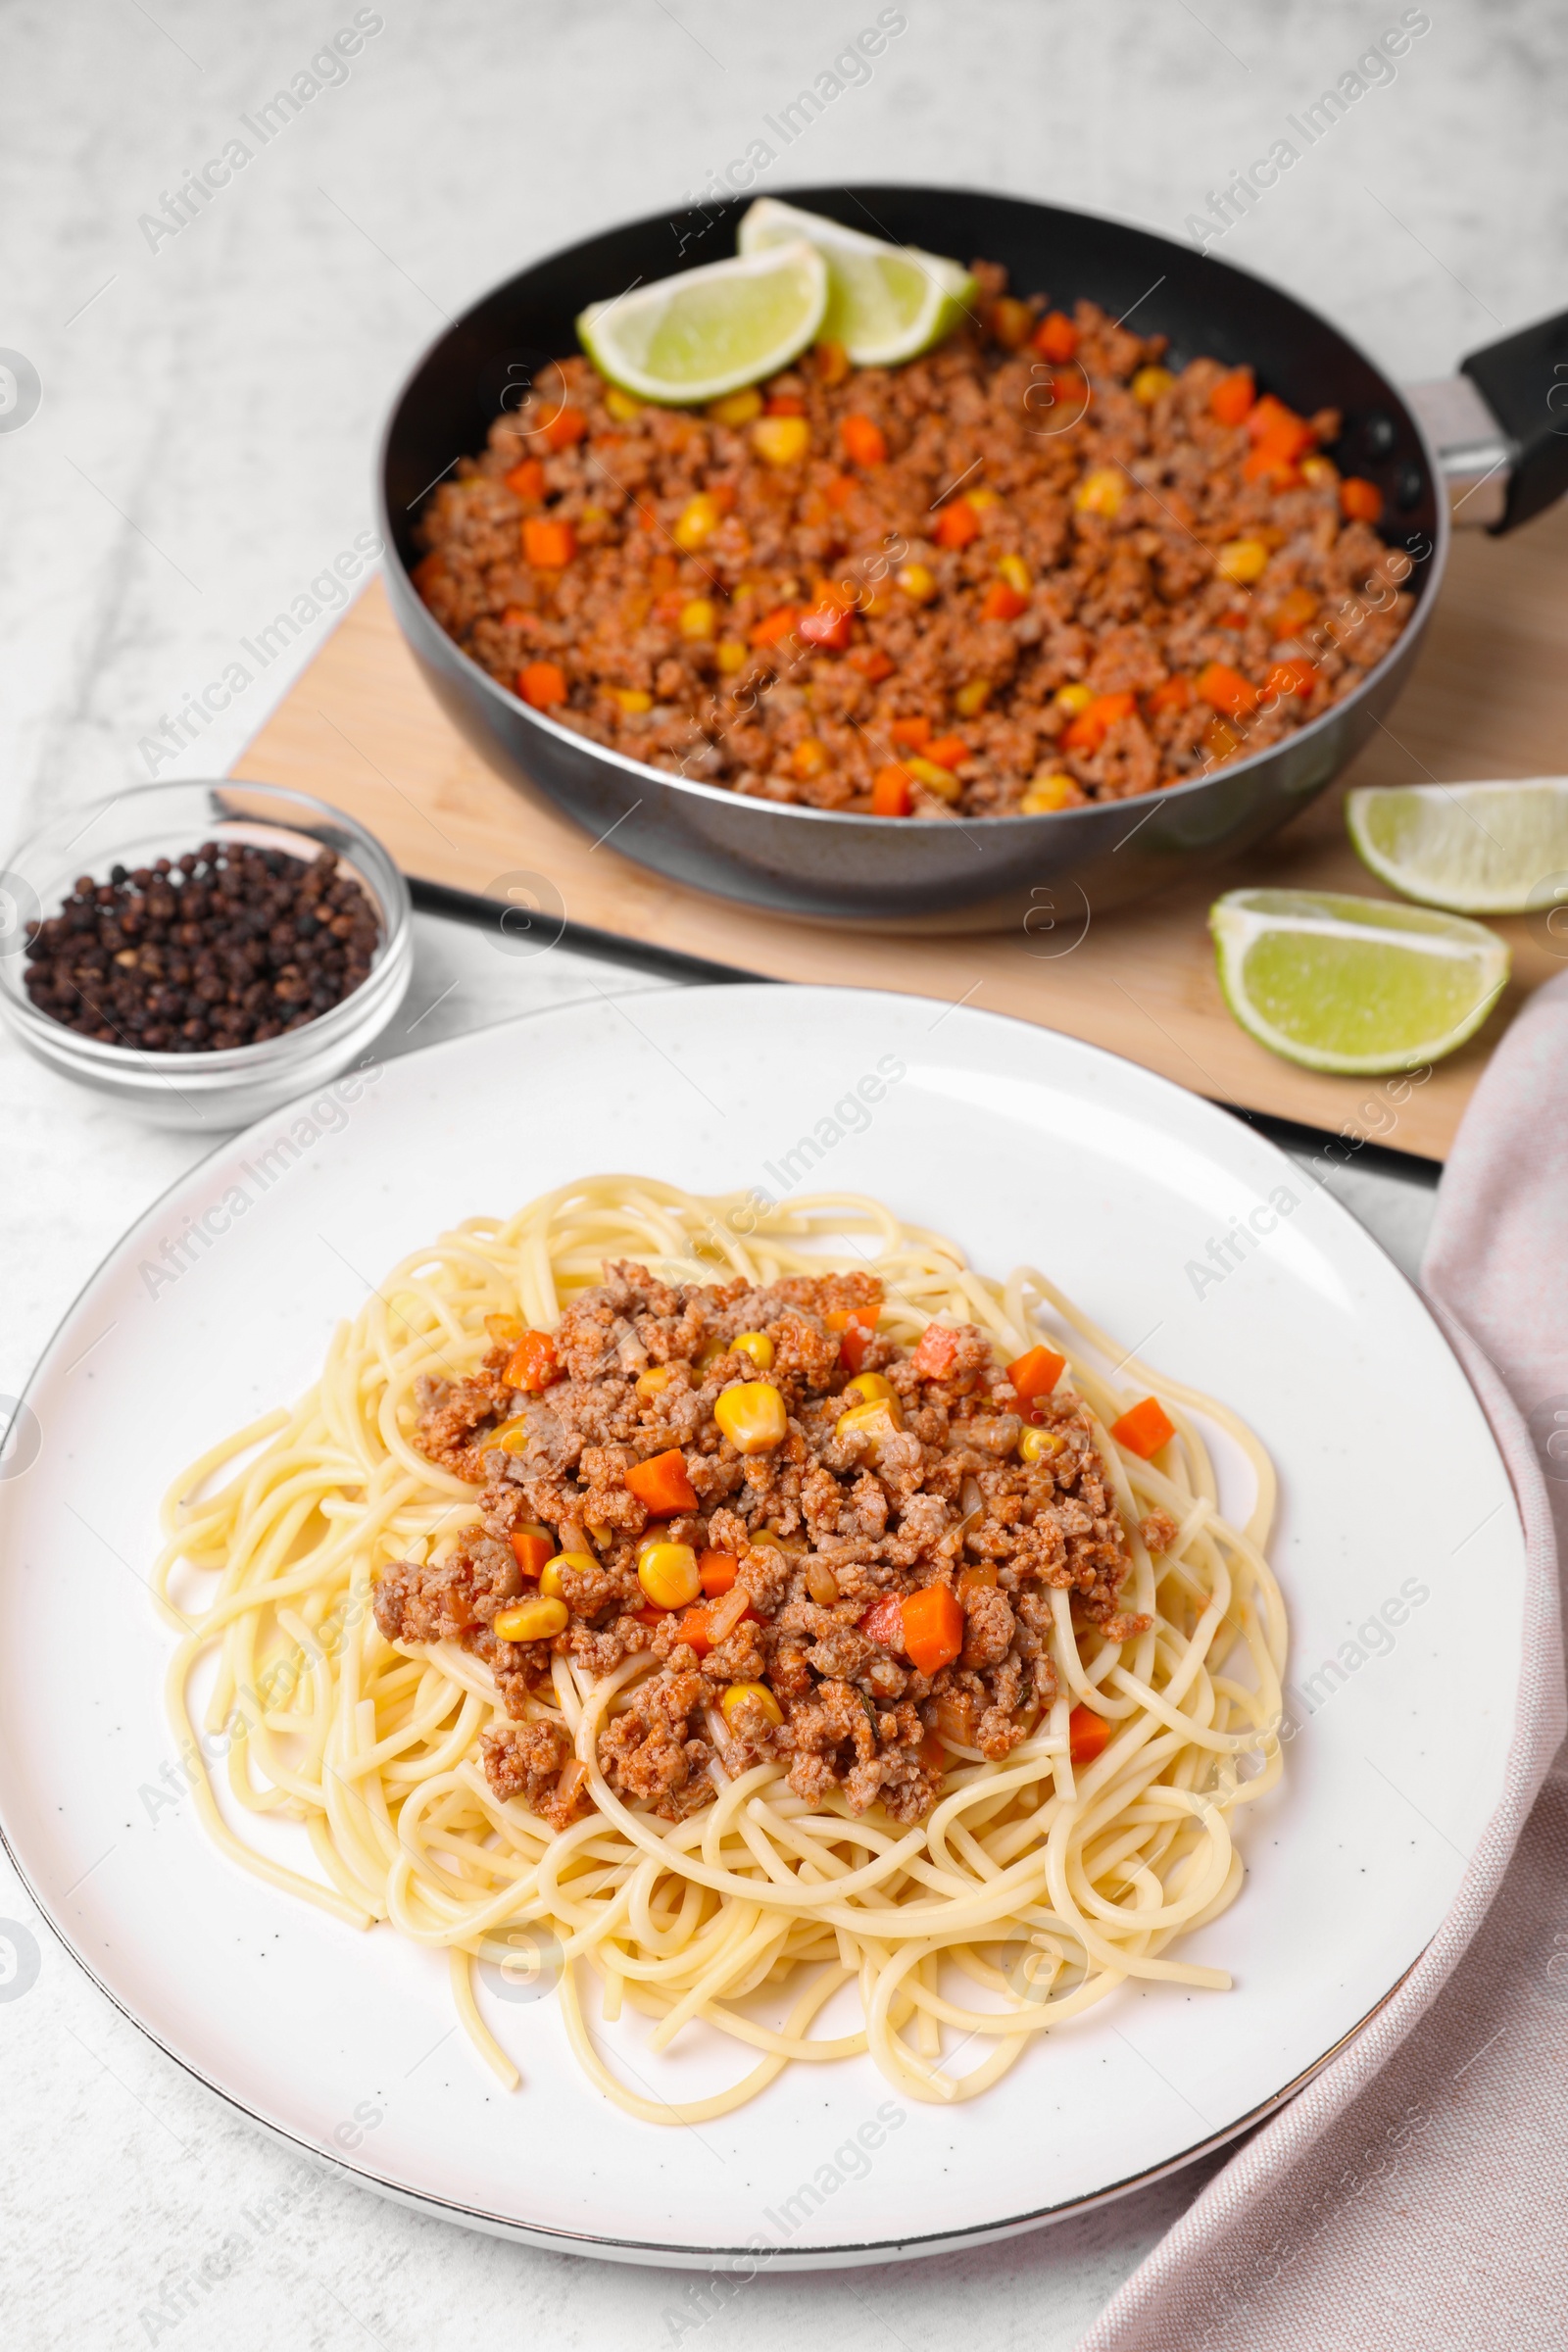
(1481, 849)
(710, 331)
(1354, 985)
(888, 302)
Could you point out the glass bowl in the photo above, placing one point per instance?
(228, 1088)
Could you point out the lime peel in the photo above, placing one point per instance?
(706, 332)
(1494, 847)
(1350, 985)
(886, 303)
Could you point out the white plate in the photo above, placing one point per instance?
(1021, 1144)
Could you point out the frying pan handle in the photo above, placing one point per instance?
(1524, 381)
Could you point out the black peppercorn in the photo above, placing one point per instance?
(226, 945)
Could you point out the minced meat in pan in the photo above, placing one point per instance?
(1032, 568)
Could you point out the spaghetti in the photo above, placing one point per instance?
(1036, 1878)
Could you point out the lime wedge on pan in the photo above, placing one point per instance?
(1353, 985)
(888, 302)
(710, 331)
(1481, 849)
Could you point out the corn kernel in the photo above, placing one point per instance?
(1149, 382)
(632, 698)
(971, 698)
(1041, 1446)
(866, 1387)
(753, 1416)
(732, 656)
(668, 1574)
(697, 520)
(737, 407)
(1102, 491)
(758, 1694)
(1015, 571)
(781, 440)
(532, 1621)
(809, 759)
(1242, 561)
(1073, 699)
(940, 780)
(653, 1381)
(657, 1532)
(699, 617)
(917, 580)
(1047, 792)
(592, 517)
(550, 1582)
(758, 1346)
(622, 405)
(1318, 470)
(982, 497)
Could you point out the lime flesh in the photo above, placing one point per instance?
(1479, 848)
(708, 331)
(1349, 984)
(886, 303)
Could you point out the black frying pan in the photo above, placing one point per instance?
(1504, 419)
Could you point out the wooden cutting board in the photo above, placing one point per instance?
(1489, 697)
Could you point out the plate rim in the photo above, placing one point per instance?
(654, 2253)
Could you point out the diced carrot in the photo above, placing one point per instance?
(1087, 731)
(527, 480)
(842, 1317)
(1295, 609)
(1226, 690)
(563, 430)
(427, 571)
(1088, 1734)
(840, 490)
(1291, 678)
(853, 1345)
(1002, 602)
(932, 1628)
(891, 794)
(1172, 694)
(549, 544)
(832, 364)
(871, 662)
(1232, 398)
(717, 1570)
(649, 1613)
(937, 1352)
(1144, 1428)
(1010, 322)
(693, 1628)
(542, 683)
(1055, 338)
(533, 1363)
(931, 1752)
(884, 1622)
(865, 441)
(957, 524)
(828, 627)
(784, 404)
(947, 750)
(1236, 618)
(1036, 1373)
(532, 1550)
(1270, 423)
(661, 1484)
(1361, 499)
(777, 626)
(911, 734)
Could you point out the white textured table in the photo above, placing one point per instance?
(202, 451)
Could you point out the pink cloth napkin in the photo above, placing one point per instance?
(1414, 2197)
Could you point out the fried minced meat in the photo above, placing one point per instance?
(822, 1528)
